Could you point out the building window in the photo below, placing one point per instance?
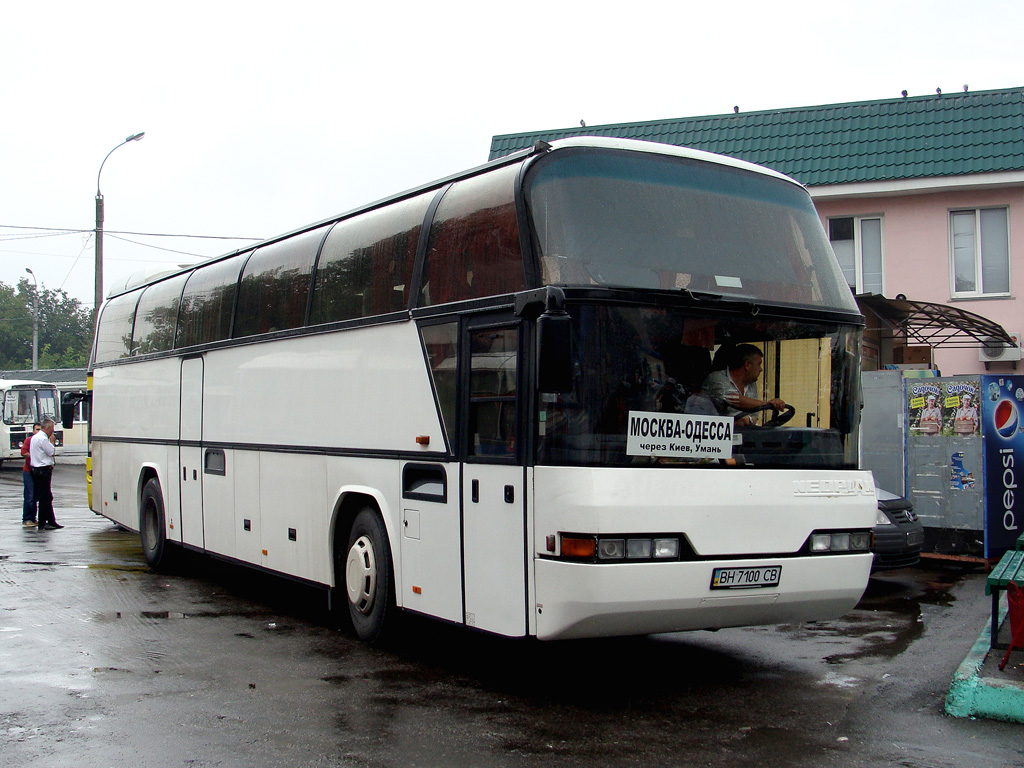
(980, 244)
(857, 242)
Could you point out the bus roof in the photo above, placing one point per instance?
(636, 145)
(12, 383)
(147, 277)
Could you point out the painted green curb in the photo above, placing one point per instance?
(971, 695)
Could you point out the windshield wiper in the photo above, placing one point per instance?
(702, 295)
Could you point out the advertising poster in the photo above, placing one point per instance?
(943, 407)
(1003, 437)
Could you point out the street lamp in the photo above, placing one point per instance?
(99, 224)
(35, 321)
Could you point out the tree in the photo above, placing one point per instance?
(15, 328)
(65, 328)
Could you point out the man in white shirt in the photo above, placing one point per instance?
(41, 453)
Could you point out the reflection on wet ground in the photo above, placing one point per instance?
(214, 664)
(892, 613)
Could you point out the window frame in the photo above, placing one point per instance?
(858, 247)
(979, 254)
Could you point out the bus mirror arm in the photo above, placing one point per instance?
(554, 344)
(530, 304)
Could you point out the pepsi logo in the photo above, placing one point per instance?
(1005, 418)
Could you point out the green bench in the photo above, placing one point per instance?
(1009, 568)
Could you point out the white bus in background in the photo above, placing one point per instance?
(480, 401)
(25, 403)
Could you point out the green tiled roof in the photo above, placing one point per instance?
(906, 138)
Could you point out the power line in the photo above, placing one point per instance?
(66, 231)
(155, 247)
(37, 235)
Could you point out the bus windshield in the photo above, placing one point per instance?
(635, 361)
(26, 406)
(651, 221)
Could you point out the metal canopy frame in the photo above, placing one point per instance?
(935, 325)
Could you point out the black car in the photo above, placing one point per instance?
(898, 534)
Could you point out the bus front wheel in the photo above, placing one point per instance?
(152, 525)
(368, 577)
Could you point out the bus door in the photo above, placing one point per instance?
(190, 452)
(493, 479)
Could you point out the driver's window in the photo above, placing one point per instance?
(492, 391)
(47, 405)
(10, 406)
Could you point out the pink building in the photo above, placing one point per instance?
(946, 240)
(923, 200)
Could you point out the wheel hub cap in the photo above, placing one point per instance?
(361, 575)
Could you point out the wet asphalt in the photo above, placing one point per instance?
(106, 663)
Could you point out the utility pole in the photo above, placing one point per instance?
(35, 321)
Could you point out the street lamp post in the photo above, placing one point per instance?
(99, 224)
(35, 321)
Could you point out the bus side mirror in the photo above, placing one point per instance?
(67, 415)
(68, 404)
(554, 346)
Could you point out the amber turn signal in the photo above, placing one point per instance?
(578, 547)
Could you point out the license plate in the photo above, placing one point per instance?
(914, 538)
(746, 578)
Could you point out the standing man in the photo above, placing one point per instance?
(733, 390)
(41, 454)
(28, 508)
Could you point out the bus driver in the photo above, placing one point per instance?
(733, 390)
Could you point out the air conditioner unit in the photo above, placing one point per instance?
(994, 350)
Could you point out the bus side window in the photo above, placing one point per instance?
(114, 335)
(366, 263)
(157, 316)
(441, 345)
(208, 302)
(492, 392)
(274, 289)
(473, 250)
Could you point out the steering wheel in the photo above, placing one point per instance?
(780, 417)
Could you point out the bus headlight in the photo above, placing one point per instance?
(860, 540)
(666, 549)
(611, 549)
(840, 541)
(638, 548)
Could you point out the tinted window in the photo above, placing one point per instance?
(473, 249)
(366, 264)
(639, 220)
(207, 303)
(275, 285)
(492, 392)
(441, 345)
(114, 334)
(157, 316)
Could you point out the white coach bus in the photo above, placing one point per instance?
(481, 400)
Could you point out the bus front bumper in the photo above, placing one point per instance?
(580, 600)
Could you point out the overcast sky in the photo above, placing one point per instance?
(261, 117)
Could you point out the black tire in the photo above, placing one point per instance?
(368, 577)
(153, 526)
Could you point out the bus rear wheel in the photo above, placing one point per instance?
(152, 525)
(369, 576)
